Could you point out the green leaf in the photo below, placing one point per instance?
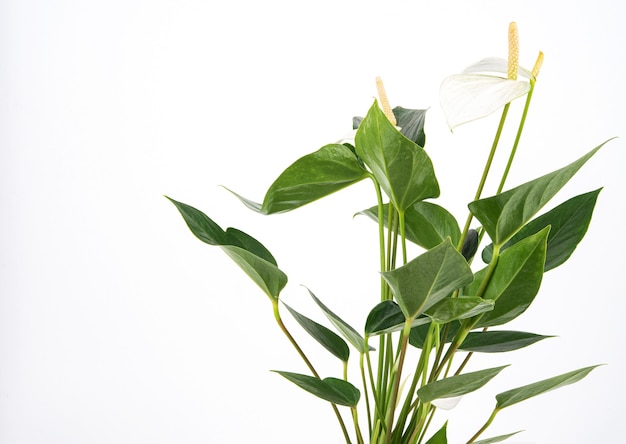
(253, 258)
(504, 214)
(387, 317)
(327, 338)
(452, 309)
(568, 221)
(516, 280)
(510, 397)
(309, 178)
(333, 390)
(411, 123)
(496, 438)
(426, 224)
(440, 437)
(441, 270)
(401, 167)
(457, 385)
(417, 337)
(346, 330)
(494, 341)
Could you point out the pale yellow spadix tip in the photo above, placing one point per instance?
(538, 64)
(384, 102)
(513, 51)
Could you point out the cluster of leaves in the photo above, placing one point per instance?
(434, 304)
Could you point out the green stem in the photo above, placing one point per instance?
(484, 427)
(355, 419)
(517, 138)
(366, 394)
(308, 364)
(483, 179)
(396, 379)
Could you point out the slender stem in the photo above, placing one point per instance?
(396, 381)
(355, 419)
(308, 364)
(483, 179)
(366, 394)
(517, 138)
(484, 427)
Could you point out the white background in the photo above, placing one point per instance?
(118, 326)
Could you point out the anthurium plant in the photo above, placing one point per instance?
(447, 306)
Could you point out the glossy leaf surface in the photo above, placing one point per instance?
(253, 258)
(417, 337)
(568, 221)
(493, 341)
(401, 167)
(452, 309)
(333, 390)
(505, 214)
(352, 336)
(510, 397)
(426, 224)
(516, 280)
(440, 437)
(441, 270)
(457, 385)
(387, 317)
(410, 122)
(326, 337)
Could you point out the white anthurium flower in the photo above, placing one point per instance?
(480, 90)
(446, 403)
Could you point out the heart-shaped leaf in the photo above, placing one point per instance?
(441, 270)
(505, 214)
(309, 178)
(401, 167)
(326, 337)
(568, 224)
(333, 390)
(253, 258)
(457, 385)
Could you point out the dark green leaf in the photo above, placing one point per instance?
(440, 437)
(247, 252)
(457, 385)
(451, 309)
(496, 438)
(429, 278)
(499, 341)
(417, 337)
(309, 178)
(401, 167)
(327, 338)
(470, 245)
(411, 123)
(333, 390)
(426, 224)
(387, 317)
(516, 280)
(504, 214)
(346, 330)
(569, 222)
(510, 397)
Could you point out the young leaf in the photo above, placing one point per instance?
(452, 309)
(441, 270)
(346, 330)
(333, 390)
(401, 167)
(494, 341)
(309, 178)
(495, 439)
(327, 338)
(568, 221)
(510, 397)
(516, 280)
(504, 214)
(440, 437)
(457, 385)
(253, 258)
(426, 224)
